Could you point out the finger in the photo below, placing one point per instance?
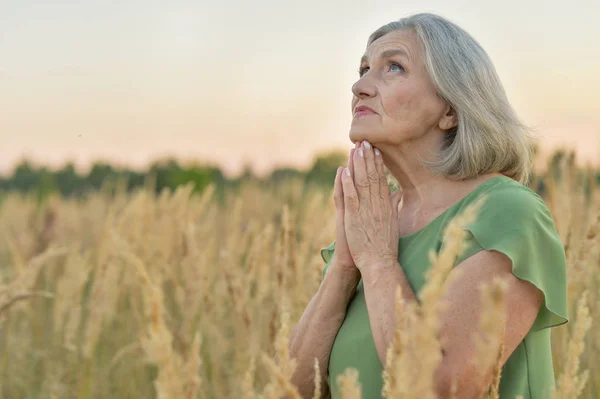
(350, 192)
(351, 162)
(360, 177)
(372, 174)
(384, 188)
(338, 193)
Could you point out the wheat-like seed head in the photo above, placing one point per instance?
(349, 385)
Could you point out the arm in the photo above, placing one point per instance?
(460, 320)
(314, 334)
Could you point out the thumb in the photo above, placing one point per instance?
(395, 199)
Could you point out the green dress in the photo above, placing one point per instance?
(514, 220)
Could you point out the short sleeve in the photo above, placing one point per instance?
(515, 220)
(327, 255)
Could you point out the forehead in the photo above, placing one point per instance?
(399, 39)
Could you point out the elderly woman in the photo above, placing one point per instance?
(429, 106)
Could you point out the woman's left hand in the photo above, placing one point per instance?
(371, 213)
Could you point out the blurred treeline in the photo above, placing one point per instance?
(169, 173)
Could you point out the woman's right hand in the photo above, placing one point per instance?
(341, 255)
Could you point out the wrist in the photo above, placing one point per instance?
(381, 267)
(346, 278)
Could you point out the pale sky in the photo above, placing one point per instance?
(264, 82)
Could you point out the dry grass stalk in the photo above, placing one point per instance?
(191, 367)
(20, 288)
(282, 370)
(497, 374)
(177, 378)
(410, 371)
(124, 351)
(571, 382)
(489, 339)
(283, 260)
(399, 342)
(349, 385)
(583, 260)
(317, 393)
(104, 297)
(21, 296)
(247, 391)
(68, 297)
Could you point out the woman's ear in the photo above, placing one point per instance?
(449, 120)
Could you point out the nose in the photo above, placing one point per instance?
(363, 88)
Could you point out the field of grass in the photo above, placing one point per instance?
(177, 296)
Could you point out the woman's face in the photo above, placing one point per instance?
(397, 87)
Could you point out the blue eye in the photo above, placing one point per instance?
(395, 64)
(362, 69)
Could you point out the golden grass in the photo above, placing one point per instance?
(176, 296)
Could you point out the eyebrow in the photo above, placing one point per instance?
(387, 54)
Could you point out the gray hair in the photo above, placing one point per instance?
(489, 137)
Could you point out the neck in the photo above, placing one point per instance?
(421, 189)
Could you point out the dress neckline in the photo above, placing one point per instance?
(460, 201)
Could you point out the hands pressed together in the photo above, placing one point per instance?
(367, 228)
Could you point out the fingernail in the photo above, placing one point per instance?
(347, 172)
(356, 145)
(367, 145)
(377, 153)
(361, 152)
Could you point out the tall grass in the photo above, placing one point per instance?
(179, 296)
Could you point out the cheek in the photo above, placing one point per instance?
(403, 104)
(410, 105)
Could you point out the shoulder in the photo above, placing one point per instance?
(512, 219)
(506, 191)
(515, 221)
(509, 205)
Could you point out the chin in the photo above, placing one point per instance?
(360, 134)
(357, 133)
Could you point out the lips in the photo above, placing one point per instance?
(363, 110)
